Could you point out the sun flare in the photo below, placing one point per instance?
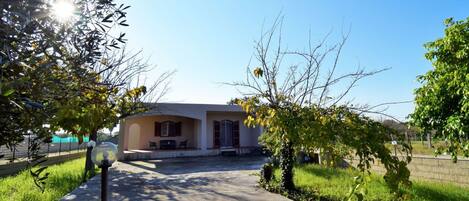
(63, 10)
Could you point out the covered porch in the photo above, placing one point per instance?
(161, 135)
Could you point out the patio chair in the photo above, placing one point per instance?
(183, 144)
(152, 145)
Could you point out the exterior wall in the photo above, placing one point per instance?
(248, 137)
(197, 128)
(440, 169)
(147, 130)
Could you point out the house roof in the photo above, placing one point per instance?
(192, 110)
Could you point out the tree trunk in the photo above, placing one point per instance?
(429, 140)
(286, 164)
(421, 138)
(89, 165)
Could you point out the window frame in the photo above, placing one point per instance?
(165, 129)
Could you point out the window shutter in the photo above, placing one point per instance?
(216, 134)
(157, 128)
(178, 126)
(236, 133)
(172, 129)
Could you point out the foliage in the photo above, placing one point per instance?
(319, 128)
(73, 75)
(316, 182)
(300, 114)
(442, 103)
(63, 178)
(358, 189)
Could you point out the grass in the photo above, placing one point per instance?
(63, 178)
(334, 184)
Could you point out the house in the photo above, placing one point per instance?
(181, 130)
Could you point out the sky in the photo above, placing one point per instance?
(211, 42)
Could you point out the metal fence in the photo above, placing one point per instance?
(20, 151)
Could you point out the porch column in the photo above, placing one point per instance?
(121, 138)
(203, 133)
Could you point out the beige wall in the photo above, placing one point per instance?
(439, 169)
(247, 136)
(147, 130)
(192, 130)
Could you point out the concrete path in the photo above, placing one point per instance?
(205, 178)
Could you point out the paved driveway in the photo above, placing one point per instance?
(205, 178)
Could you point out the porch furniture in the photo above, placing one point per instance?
(167, 144)
(152, 145)
(183, 144)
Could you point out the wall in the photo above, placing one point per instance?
(440, 169)
(147, 130)
(247, 136)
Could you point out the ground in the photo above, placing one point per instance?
(204, 178)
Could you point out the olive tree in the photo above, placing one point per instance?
(69, 73)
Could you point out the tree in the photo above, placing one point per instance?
(441, 103)
(102, 106)
(66, 73)
(299, 112)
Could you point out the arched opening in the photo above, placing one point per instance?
(134, 137)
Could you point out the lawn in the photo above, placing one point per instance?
(63, 178)
(334, 184)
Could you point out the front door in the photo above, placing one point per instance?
(226, 134)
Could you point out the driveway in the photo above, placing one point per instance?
(203, 178)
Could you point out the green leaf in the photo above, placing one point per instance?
(8, 92)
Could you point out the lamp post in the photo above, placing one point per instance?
(104, 156)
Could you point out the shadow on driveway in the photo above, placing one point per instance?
(199, 164)
(205, 178)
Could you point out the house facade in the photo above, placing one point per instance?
(181, 130)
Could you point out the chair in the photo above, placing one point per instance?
(183, 144)
(152, 145)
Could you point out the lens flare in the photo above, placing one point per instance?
(63, 10)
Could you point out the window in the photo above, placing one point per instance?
(225, 133)
(168, 129)
(165, 128)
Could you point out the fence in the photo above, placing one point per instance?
(13, 168)
(20, 151)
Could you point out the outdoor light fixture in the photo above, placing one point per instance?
(104, 156)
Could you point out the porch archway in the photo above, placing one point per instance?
(134, 137)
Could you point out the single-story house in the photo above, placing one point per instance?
(178, 130)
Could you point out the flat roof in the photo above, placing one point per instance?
(193, 110)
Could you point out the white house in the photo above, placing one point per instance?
(177, 130)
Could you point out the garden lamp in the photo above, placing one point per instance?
(103, 156)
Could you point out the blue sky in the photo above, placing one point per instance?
(209, 42)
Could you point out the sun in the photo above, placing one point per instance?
(63, 10)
